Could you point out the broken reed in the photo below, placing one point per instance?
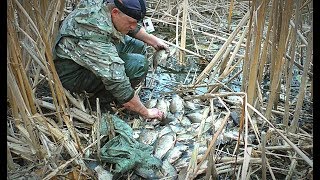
(32, 28)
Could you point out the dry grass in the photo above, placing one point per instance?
(261, 43)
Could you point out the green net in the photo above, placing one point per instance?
(123, 150)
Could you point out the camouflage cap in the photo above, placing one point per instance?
(133, 8)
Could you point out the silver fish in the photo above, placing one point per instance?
(231, 135)
(167, 129)
(168, 170)
(161, 56)
(185, 121)
(162, 106)
(179, 115)
(201, 150)
(169, 119)
(206, 127)
(185, 137)
(211, 118)
(182, 162)
(164, 144)
(195, 117)
(148, 136)
(175, 153)
(190, 105)
(151, 103)
(148, 173)
(178, 129)
(176, 104)
(194, 126)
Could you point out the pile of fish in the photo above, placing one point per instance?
(175, 137)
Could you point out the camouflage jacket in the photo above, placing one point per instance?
(88, 37)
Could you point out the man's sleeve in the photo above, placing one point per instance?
(103, 60)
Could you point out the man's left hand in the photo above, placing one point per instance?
(159, 44)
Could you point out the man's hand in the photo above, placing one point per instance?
(154, 113)
(135, 105)
(159, 44)
(152, 40)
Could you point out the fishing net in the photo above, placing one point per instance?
(123, 150)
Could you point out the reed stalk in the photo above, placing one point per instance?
(183, 31)
(289, 65)
(302, 89)
(246, 62)
(254, 62)
(280, 52)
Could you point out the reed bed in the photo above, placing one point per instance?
(263, 47)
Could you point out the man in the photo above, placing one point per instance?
(98, 50)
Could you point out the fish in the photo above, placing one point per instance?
(211, 118)
(185, 137)
(202, 148)
(162, 106)
(164, 144)
(206, 127)
(151, 103)
(178, 129)
(148, 173)
(168, 119)
(189, 105)
(102, 173)
(175, 120)
(168, 170)
(182, 162)
(179, 115)
(175, 153)
(176, 104)
(185, 121)
(194, 126)
(161, 56)
(198, 115)
(231, 135)
(167, 129)
(195, 117)
(148, 136)
(235, 117)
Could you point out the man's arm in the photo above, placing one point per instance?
(135, 105)
(150, 39)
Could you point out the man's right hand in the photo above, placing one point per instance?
(135, 105)
(154, 113)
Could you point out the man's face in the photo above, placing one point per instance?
(122, 22)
